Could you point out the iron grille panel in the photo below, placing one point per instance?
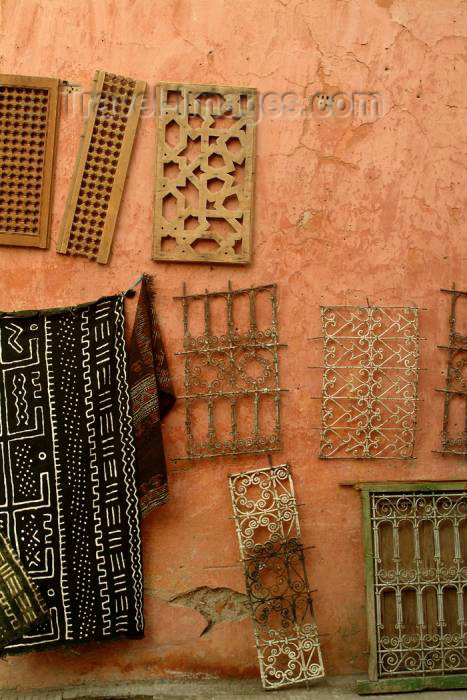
(370, 382)
(454, 436)
(419, 543)
(237, 369)
(268, 530)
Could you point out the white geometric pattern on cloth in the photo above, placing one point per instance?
(125, 430)
(68, 494)
(28, 500)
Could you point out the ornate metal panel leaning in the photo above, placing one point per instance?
(29, 109)
(268, 529)
(416, 578)
(454, 433)
(204, 173)
(370, 382)
(231, 343)
(98, 180)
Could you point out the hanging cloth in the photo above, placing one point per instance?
(69, 498)
(152, 398)
(21, 604)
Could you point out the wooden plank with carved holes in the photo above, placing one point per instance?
(29, 110)
(203, 208)
(101, 167)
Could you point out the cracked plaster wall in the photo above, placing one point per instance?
(345, 210)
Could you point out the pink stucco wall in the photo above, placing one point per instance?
(345, 210)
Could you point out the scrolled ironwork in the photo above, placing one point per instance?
(268, 530)
(370, 382)
(420, 582)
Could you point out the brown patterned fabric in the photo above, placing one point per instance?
(152, 398)
(21, 604)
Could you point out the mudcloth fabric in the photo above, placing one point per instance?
(152, 397)
(68, 493)
(21, 604)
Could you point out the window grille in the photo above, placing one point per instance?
(204, 173)
(268, 530)
(232, 391)
(29, 111)
(416, 570)
(370, 382)
(101, 167)
(454, 433)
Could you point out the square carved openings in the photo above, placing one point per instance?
(99, 177)
(370, 382)
(232, 390)
(268, 530)
(204, 173)
(454, 433)
(28, 124)
(416, 577)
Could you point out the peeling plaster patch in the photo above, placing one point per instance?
(304, 218)
(216, 605)
(385, 3)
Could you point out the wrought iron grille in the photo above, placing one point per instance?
(454, 433)
(419, 544)
(266, 520)
(370, 382)
(231, 377)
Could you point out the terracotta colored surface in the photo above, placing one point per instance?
(345, 210)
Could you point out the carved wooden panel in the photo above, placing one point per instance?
(204, 173)
(28, 124)
(268, 529)
(416, 567)
(99, 177)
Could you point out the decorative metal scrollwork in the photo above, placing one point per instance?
(454, 437)
(370, 382)
(237, 370)
(266, 519)
(420, 581)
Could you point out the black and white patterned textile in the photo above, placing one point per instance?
(68, 494)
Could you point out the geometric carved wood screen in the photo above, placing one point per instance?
(370, 382)
(29, 109)
(271, 549)
(232, 392)
(454, 433)
(204, 173)
(101, 166)
(416, 570)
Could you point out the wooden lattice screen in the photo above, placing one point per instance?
(416, 577)
(29, 109)
(99, 177)
(204, 173)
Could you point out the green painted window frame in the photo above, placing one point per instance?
(375, 685)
